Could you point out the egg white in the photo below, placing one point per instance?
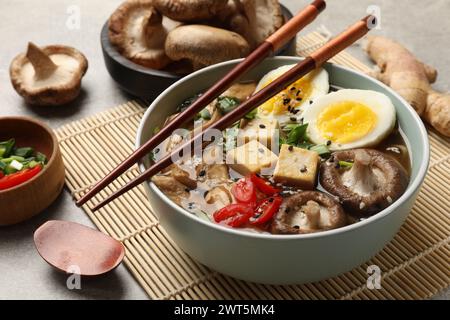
(318, 79)
(379, 103)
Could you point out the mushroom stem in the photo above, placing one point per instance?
(42, 64)
(312, 212)
(360, 178)
(151, 26)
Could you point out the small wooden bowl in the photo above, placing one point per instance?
(31, 197)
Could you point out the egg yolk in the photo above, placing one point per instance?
(346, 121)
(286, 100)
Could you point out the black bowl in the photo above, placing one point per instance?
(148, 83)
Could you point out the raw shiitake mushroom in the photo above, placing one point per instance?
(204, 45)
(139, 32)
(48, 76)
(190, 10)
(148, 32)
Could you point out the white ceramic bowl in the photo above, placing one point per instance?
(284, 259)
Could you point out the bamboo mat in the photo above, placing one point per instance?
(414, 265)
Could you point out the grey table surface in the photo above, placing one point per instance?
(423, 26)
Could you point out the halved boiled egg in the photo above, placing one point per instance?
(288, 105)
(350, 118)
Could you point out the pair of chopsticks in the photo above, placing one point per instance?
(271, 44)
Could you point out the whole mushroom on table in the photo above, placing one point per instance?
(184, 35)
(48, 76)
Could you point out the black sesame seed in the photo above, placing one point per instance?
(295, 111)
(287, 209)
(262, 126)
(296, 227)
(286, 101)
(292, 88)
(301, 120)
(156, 150)
(328, 142)
(289, 108)
(331, 159)
(303, 169)
(261, 150)
(298, 92)
(201, 173)
(299, 99)
(270, 200)
(187, 189)
(293, 119)
(291, 148)
(310, 101)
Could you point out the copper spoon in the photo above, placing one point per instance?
(74, 248)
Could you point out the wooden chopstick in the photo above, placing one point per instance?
(315, 60)
(276, 41)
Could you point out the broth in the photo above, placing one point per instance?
(203, 194)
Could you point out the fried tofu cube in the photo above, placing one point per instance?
(252, 157)
(297, 167)
(263, 130)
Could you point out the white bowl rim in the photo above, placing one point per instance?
(412, 187)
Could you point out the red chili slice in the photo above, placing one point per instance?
(20, 177)
(263, 185)
(244, 191)
(234, 215)
(266, 210)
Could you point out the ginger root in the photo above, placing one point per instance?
(403, 72)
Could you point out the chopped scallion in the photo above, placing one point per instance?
(227, 104)
(345, 164)
(297, 134)
(251, 115)
(16, 165)
(321, 149)
(6, 148)
(24, 152)
(40, 157)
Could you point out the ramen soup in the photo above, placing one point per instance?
(312, 158)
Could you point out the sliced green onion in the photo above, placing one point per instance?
(40, 157)
(297, 134)
(18, 158)
(16, 165)
(204, 114)
(345, 164)
(156, 130)
(24, 152)
(2, 166)
(227, 104)
(321, 149)
(9, 170)
(306, 145)
(186, 103)
(251, 115)
(6, 147)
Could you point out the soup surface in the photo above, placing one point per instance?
(312, 158)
